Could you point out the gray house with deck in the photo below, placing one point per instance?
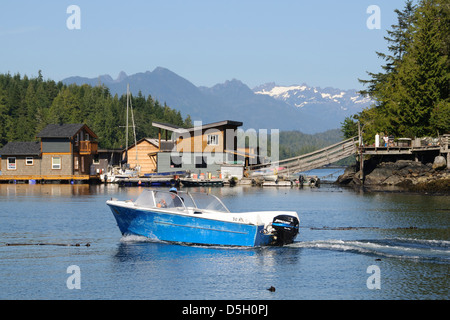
(63, 152)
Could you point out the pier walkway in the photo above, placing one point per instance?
(349, 147)
(313, 160)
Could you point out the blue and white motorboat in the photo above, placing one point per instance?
(201, 218)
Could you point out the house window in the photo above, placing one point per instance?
(29, 161)
(213, 139)
(200, 162)
(75, 163)
(175, 162)
(12, 164)
(56, 163)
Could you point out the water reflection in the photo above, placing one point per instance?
(52, 190)
(146, 250)
(328, 261)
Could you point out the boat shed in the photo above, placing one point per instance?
(143, 154)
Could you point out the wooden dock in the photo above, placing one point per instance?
(46, 179)
(416, 148)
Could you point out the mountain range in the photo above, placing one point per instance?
(268, 106)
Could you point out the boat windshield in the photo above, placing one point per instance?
(207, 201)
(163, 199)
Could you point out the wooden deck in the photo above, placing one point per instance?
(8, 178)
(441, 145)
(396, 150)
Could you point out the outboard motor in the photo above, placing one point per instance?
(286, 228)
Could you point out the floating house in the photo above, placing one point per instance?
(63, 152)
(204, 149)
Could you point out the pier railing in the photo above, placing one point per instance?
(316, 159)
(408, 146)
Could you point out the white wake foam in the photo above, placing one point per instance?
(435, 250)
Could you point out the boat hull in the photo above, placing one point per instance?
(185, 228)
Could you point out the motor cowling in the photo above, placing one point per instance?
(286, 229)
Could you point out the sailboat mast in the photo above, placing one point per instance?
(128, 95)
(134, 130)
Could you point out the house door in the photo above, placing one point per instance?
(83, 165)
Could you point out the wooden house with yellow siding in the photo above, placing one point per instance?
(143, 154)
(201, 149)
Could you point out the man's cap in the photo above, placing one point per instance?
(173, 190)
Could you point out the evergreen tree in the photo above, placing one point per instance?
(399, 39)
(423, 74)
(412, 94)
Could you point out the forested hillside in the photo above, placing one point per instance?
(295, 143)
(28, 105)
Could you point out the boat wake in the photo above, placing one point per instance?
(402, 248)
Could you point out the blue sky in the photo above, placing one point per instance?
(321, 43)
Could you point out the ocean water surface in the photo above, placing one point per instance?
(352, 245)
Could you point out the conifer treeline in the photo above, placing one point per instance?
(28, 105)
(412, 91)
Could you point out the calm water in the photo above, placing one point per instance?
(405, 236)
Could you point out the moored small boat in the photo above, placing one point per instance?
(201, 218)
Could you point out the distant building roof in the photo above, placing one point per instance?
(21, 149)
(166, 145)
(166, 126)
(63, 130)
(173, 128)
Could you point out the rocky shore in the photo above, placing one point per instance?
(407, 175)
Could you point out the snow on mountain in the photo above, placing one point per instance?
(301, 96)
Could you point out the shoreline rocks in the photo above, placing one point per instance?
(408, 175)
